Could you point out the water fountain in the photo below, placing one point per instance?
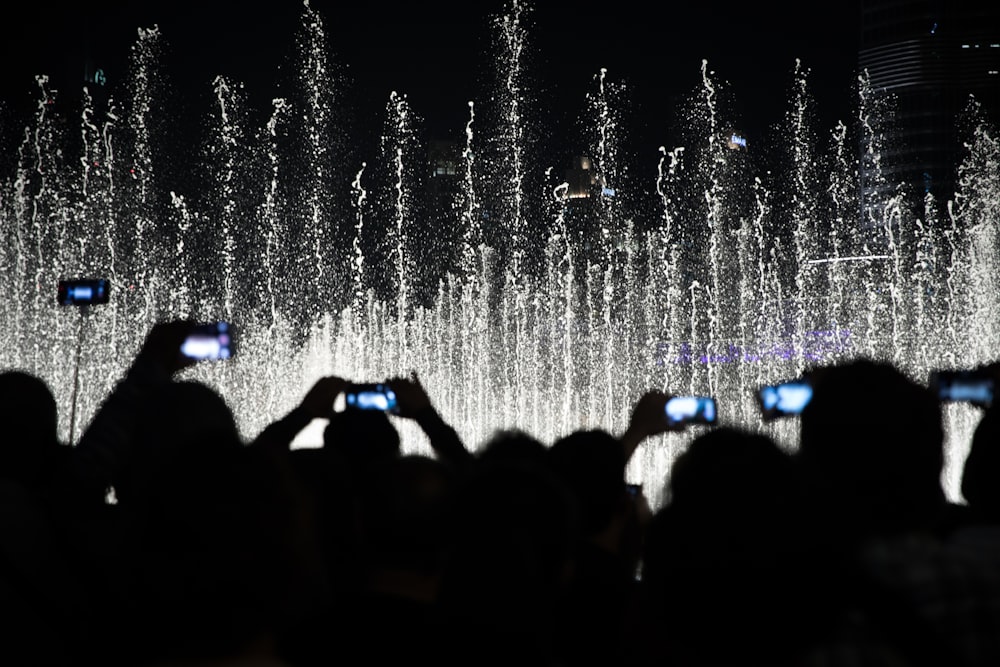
(701, 272)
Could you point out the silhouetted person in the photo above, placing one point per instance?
(106, 449)
(981, 471)
(181, 421)
(413, 402)
(149, 433)
(871, 454)
(363, 438)
(603, 591)
(516, 529)
(29, 440)
(329, 484)
(316, 404)
(361, 449)
(980, 487)
(406, 512)
(196, 561)
(872, 448)
(40, 589)
(218, 561)
(727, 574)
(513, 445)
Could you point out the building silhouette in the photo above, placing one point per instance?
(927, 58)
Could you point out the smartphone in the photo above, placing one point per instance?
(370, 397)
(784, 399)
(691, 410)
(212, 342)
(964, 386)
(83, 292)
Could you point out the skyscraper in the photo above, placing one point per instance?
(928, 58)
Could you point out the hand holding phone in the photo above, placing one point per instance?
(684, 410)
(321, 397)
(784, 399)
(162, 346)
(209, 342)
(411, 397)
(370, 396)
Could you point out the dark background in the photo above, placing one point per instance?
(437, 53)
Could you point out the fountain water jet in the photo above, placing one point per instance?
(533, 308)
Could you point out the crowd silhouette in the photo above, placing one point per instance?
(162, 537)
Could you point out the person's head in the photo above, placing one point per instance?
(512, 445)
(363, 438)
(516, 531)
(28, 426)
(592, 463)
(179, 421)
(728, 468)
(981, 473)
(872, 445)
(731, 491)
(726, 555)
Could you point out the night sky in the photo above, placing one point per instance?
(437, 53)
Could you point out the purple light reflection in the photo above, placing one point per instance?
(815, 346)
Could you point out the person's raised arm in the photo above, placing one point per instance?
(317, 404)
(414, 403)
(104, 447)
(649, 418)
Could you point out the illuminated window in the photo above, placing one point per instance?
(445, 169)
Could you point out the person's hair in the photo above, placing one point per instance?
(362, 437)
(180, 421)
(726, 465)
(512, 445)
(872, 442)
(516, 530)
(729, 535)
(592, 463)
(29, 423)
